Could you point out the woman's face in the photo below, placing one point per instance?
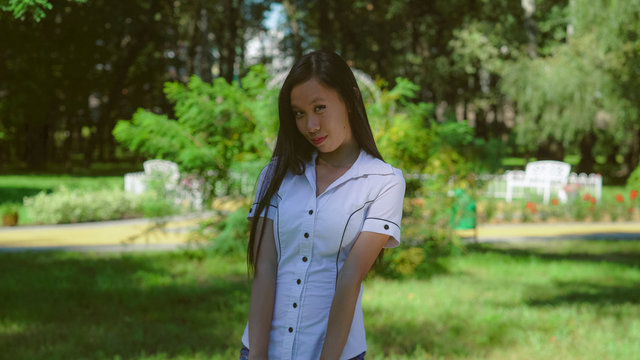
(321, 115)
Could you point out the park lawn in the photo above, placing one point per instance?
(14, 187)
(551, 300)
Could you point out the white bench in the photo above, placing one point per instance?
(541, 176)
(189, 188)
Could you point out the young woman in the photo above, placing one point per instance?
(326, 205)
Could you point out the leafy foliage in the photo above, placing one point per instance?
(71, 206)
(221, 127)
(567, 95)
(21, 8)
(583, 90)
(233, 234)
(634, 180)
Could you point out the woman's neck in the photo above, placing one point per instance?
(343, 157)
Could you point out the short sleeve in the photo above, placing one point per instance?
(385, 213)
(273, 203)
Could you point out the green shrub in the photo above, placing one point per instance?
(405, 261)
(633, 182)
(71, 206)
(9, 208)
(232, 234)
(580, 208)
(220, 128)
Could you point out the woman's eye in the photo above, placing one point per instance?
(298, 114)
(319, 108)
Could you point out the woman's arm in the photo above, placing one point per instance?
(263, 290)
(355, 268)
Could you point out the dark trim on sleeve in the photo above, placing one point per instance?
(344, 231)
(389, 221)
(277, 217)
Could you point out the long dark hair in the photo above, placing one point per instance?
(292, 150)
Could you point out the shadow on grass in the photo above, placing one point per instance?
(629, 257)
(571, 292)
(70, 306)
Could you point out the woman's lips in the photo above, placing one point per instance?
(318, 140)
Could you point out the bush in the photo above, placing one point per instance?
(232, 234)
(226, 232)
(9, 208)
(633, 182)
(71, 206)
(220, 128)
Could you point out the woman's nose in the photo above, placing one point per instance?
(313, 125)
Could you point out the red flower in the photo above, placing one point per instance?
(587, 196)
(554, 201)
(619, 198)
(593, 200)
(531, 207)
(633, 195)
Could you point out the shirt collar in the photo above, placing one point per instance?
(365, 164)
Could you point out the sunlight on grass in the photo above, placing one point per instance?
(9, 328)
(521, 306)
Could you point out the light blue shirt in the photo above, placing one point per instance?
(314, 236)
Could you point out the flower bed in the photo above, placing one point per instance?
(613, 207)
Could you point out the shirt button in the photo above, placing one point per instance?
(304, 258)
(386, 227)
(298, 281)
(306, 235)
(295, 305)
(310, 212)
(290, 329)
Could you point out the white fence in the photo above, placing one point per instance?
(577, 185)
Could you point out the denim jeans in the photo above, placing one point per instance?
(244, 354)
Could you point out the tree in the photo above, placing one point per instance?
(70, 69)
(582, 90)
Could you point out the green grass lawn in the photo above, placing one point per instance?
(14, 187)
(553, 300)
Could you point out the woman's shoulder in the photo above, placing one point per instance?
(371, 165)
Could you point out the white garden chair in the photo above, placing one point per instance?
(541, 176)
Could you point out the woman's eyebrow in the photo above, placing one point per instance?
(313, 101)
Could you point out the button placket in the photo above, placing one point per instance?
(305, 246)
(305, 249)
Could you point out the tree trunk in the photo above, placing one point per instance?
(529, 7)
(110, 111)
(205, 46)
(550, 149)
(228, 45)
(35, 146)
(292, 17)
(481, 128)
(632, 158)
(587, 160)
(325, 36)
(192, 51)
